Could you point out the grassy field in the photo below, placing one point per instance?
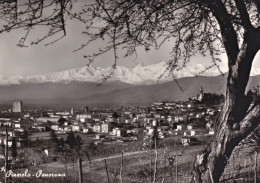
(138, 163)
(138, 166)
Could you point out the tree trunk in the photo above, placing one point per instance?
(80, 170)
(255, 168)
(238, 118)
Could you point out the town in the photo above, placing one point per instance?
(185, 119)
(43, 135)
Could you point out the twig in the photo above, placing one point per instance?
(106, 170)
(121, 167)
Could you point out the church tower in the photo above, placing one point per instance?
(201, 95)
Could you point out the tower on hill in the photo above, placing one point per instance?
(201, 95)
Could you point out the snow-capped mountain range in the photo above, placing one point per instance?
(138, 75)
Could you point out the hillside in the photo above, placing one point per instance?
(115, 93)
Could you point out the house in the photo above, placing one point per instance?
(96, 117)
(55, 127)
(185, 141)
(105, 127)
(140, 116)
(149, 118)
(100, 136)
(157, 116)
(97, 128)
(17, 125)
(127, 121)
(46, 119)
(86, 130)
(157, 103)
(189, 133)
(40, 127)
(120, 132)
(150, 131)
(113, 132)
(106, 115)
(67, 129)
(10, 141)
(164, 128)
(137, 131)
(76, 128)
(170, 119)
(129, 115)
(190, 105)
(10, 132)
(178, 119)
(109, 119)
(199, 115)
(209, 125)
(190, 127)
(180, 127)
(25, 124)
(121, 120)
(211, 132)
(83, 117)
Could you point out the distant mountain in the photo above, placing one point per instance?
(127, 86)
(114, 93)
(139, 75)
(56, 92)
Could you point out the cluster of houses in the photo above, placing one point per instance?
(186, 119)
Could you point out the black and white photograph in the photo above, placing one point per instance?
(130, 91)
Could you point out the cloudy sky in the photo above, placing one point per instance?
(60, 56)
(39, 59)
(42, 59)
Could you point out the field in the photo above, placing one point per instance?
(131, 162)
(138, 166)
(138, 162)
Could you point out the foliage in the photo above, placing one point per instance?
(61, 145)
(61, 121)
(71, 140)
(213, 99)
(78, 144)
(14, 148)
(25, 138)
(152, 141)
(31, 157)
(53, 136)
(91, 146)
(29, 14)
(155, 138)
(115, 115)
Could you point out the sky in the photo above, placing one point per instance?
(40, 59)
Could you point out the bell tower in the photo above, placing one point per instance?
(201, 95)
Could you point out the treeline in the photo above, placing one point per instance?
(213, 99)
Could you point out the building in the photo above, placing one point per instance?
(17, 106)
(97, 128)
(180, 127)
(201, 95)
(83, 117)
(47, 119)
(76, 128)
(105, 127)
(10, 141)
